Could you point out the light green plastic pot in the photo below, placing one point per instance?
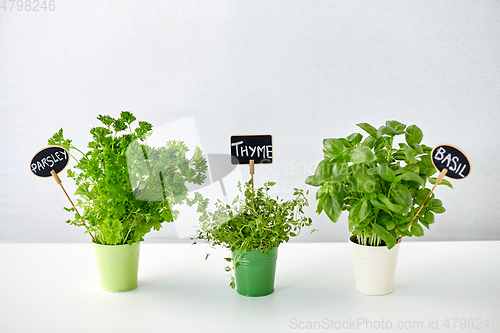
(118, 266)
(256, 272)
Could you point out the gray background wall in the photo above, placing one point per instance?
(301, 70)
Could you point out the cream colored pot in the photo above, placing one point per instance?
(374, 267)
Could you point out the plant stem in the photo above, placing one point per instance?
(389, 151)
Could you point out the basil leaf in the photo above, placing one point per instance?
(413, 135)
(322, 174)
(333, 147)
(386, 130)
(443, 182)
(355, 138)
(416, 230)
(368, 129)
(401, 195)
(362, 154)
(359, 211)
(412, 176)
(332, 207)
(389, 239)
(396, 125)
(393, 207)
(386, 173)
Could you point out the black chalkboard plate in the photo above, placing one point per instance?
(47, 159)
(452, 159)
(258, 148)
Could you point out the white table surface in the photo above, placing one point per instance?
(55, 288)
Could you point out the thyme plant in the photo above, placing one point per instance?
(254, 221)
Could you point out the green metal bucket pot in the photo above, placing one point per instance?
(256, 272)
(118, 266)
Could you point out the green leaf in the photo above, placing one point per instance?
(391, 206)
(396, 125)
(386, 173)
(370, 141)
(386, 220)
(337, 192)
(389, 239)
(416, 230)
(443, 182)
(386, 130)
(418, 148)
(427, 218)
(322, 191)
(436, 206)
(119, 125)
(402, 196)
(409, 153)
(144, 127)
(355, 138)
(127, 117)
(322, 174)
(364, 177)
(412, 176)
(339, 172)
(105, 119)
(166, 215)
(346, 143)
(333, 147)
(413, 135)
(379, 205)
(359, 211)
(310, 180)
(368, 129)
(362, 154)
(332, 207)
(319, 207)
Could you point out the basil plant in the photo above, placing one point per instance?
(380, 180)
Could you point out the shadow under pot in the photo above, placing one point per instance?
(256, 272)
(118, 266)
(374, 267)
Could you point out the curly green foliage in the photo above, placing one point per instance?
(381, 186)
(254, 222)
(111, 207)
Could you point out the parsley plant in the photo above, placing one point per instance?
(112, 191)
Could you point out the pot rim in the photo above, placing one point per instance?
(373, 247)
(106, 245)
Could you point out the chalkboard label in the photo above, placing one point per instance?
(258, 148)
(452, 159)
(47, 159)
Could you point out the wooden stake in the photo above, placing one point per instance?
(252, 171)
(59, 182)
(438, 180)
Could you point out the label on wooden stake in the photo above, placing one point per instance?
(452, 159)
(258, 148)
(51, 158)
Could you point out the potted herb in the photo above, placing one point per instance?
(125, 190)
(381, 185)
(253, 227)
